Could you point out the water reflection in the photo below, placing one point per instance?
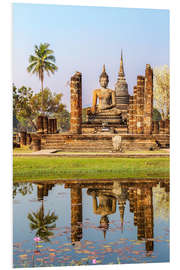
(39, 222)
(105, 199)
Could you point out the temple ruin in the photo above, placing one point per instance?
(113, 112)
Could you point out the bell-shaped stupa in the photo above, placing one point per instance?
(121, 89)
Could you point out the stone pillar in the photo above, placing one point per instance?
(54, 125)
(23, 135)
(148, 100)
(40, 128)
(155, 127)
(135, 207)
(28, 139)
(36, 143)
(45, 124)
(148, 215)
(50, 126)
(76, 213)
(161, 126)
(140, 104)
(167, 126)
(140, 214)
(130, 115)
(131, 199)
(76, 103)
(135, 110)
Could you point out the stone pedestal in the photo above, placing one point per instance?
(76, 103)
(36, 143)
(148, 100)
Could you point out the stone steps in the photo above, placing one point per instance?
(100, 143)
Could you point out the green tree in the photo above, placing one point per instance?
(162, 90)
(42, 61)
(23, 188)
(63, 120)
(22, 107)
(42, 224)
(156, 115)
(27, 105)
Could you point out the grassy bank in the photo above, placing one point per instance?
(53, 168)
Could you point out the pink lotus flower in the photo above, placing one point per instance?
(94, 261)
(37, 239)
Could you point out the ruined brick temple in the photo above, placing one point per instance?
(113, 112)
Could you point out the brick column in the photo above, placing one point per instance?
(135, 110)
(148, 215)
(155, 127)
(161, 126)
(148, 100)
(130, 115)
(40, 128)
(28, 139)
(76, 213)
(140, 214)
(23, 136)
(76, 103)
(167, 126)
(140, 104)
(45, 124)
(50, 126)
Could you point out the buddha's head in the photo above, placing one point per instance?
(104, 222)
(104, 79)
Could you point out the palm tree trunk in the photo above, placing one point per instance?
(42, 111)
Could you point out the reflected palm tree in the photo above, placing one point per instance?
(22, 188)
(43, 224)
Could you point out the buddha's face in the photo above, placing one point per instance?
(103, 82)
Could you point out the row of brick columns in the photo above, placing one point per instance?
(141, 104)
(140, 110)
(45, 125)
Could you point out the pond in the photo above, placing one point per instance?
(62, 223)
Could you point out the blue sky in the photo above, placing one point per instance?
(85, 38)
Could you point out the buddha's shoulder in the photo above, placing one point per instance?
(110, 90)
(98, 90)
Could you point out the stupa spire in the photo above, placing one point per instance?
(121, 70)
(121, 210)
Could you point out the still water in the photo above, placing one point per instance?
(90, 222)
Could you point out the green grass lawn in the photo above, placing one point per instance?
(53, 168)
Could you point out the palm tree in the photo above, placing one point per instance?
(43, 224)
(42, 61)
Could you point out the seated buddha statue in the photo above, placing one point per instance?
(105, 95)
(104, 108)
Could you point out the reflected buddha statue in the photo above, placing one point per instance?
(105, 207)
